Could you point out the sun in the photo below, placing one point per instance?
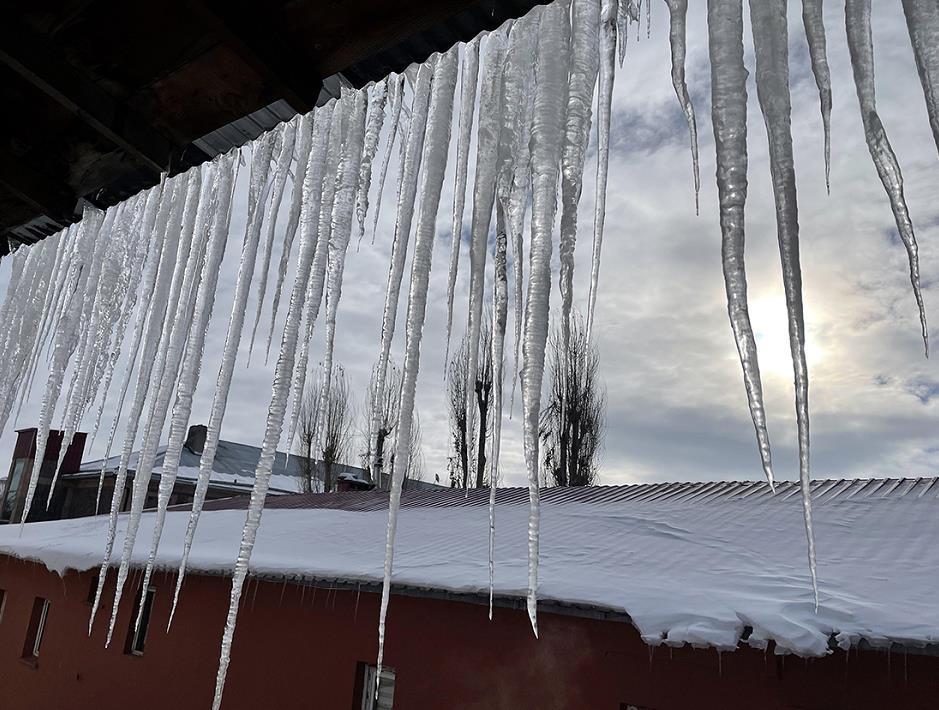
(770, 326)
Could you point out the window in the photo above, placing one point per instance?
(384, 700)
(137, 635)
(13, 489)
(37, 625)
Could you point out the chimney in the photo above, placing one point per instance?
(195, 439)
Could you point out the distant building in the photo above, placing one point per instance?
(77, 487)
(651, 597)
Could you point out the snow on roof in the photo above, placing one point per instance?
(697, 563)
(234, 466)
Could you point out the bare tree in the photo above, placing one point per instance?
(325, 431)
(468, 456)
(415, 470)
(381, 407)
(337, 417)
(572, 422)
(456, 406)
(309, 440)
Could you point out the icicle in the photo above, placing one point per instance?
(260, 167)
(341, 228)
(860, 44)
(622, 27)
(605, 88)
(585, 60)
(346, 183)
(285, 136)
(729, 118)
(176, 329)
(66, 339)
(143, 271)
(484, 192)
(678, 13)
(922, 20)
(814, 22)
(397, 99)
(314, 295)
(374, 122)
(521, 172)
(469, 78)
(222, 178)
(175, 248)
(500, 298)
(551, 71)
(407, 192)
(770, 41)
(148, 296)
(303, 140)
(436, 149)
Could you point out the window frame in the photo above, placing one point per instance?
(38, 619)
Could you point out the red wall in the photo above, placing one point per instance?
(297, 649)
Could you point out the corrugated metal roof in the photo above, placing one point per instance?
(823, 491)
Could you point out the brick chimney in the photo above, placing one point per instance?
(195, 439)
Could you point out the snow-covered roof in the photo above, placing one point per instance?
(233, 467)
(704, 564)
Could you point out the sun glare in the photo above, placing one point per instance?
(770, 326)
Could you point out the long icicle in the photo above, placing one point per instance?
(302, 149)
(770, 41)
(585, 63)
(354, 113)
(249, 254)
(500, 299)
(521, 182)
(397, 99)
(608, 11)
(814, 23)
(435, 162)
(551, 71)
(860, 45)
(407, 193)
(174, 250)
(285, 137)
(157, 233)
(922, 21)
(223, 173)
(353, 108)
(484, 192)
(65, 342)
(176, 329)
(374, 122)
(469, 78)
(678, 18)
(729, 119)
(322, 217)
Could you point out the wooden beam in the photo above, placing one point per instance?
(243, 27)
(39, 64)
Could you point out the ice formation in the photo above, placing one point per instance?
(139, 280)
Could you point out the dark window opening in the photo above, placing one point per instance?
(37, 625)
(137, 635)
(365, 688)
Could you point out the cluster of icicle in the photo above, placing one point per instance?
(156, 257)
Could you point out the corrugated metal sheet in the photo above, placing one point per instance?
(691, 493)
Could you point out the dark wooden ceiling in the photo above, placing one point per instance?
(99, 96)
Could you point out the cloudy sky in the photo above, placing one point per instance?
(676, 403)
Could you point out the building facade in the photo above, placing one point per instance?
(314, 646)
